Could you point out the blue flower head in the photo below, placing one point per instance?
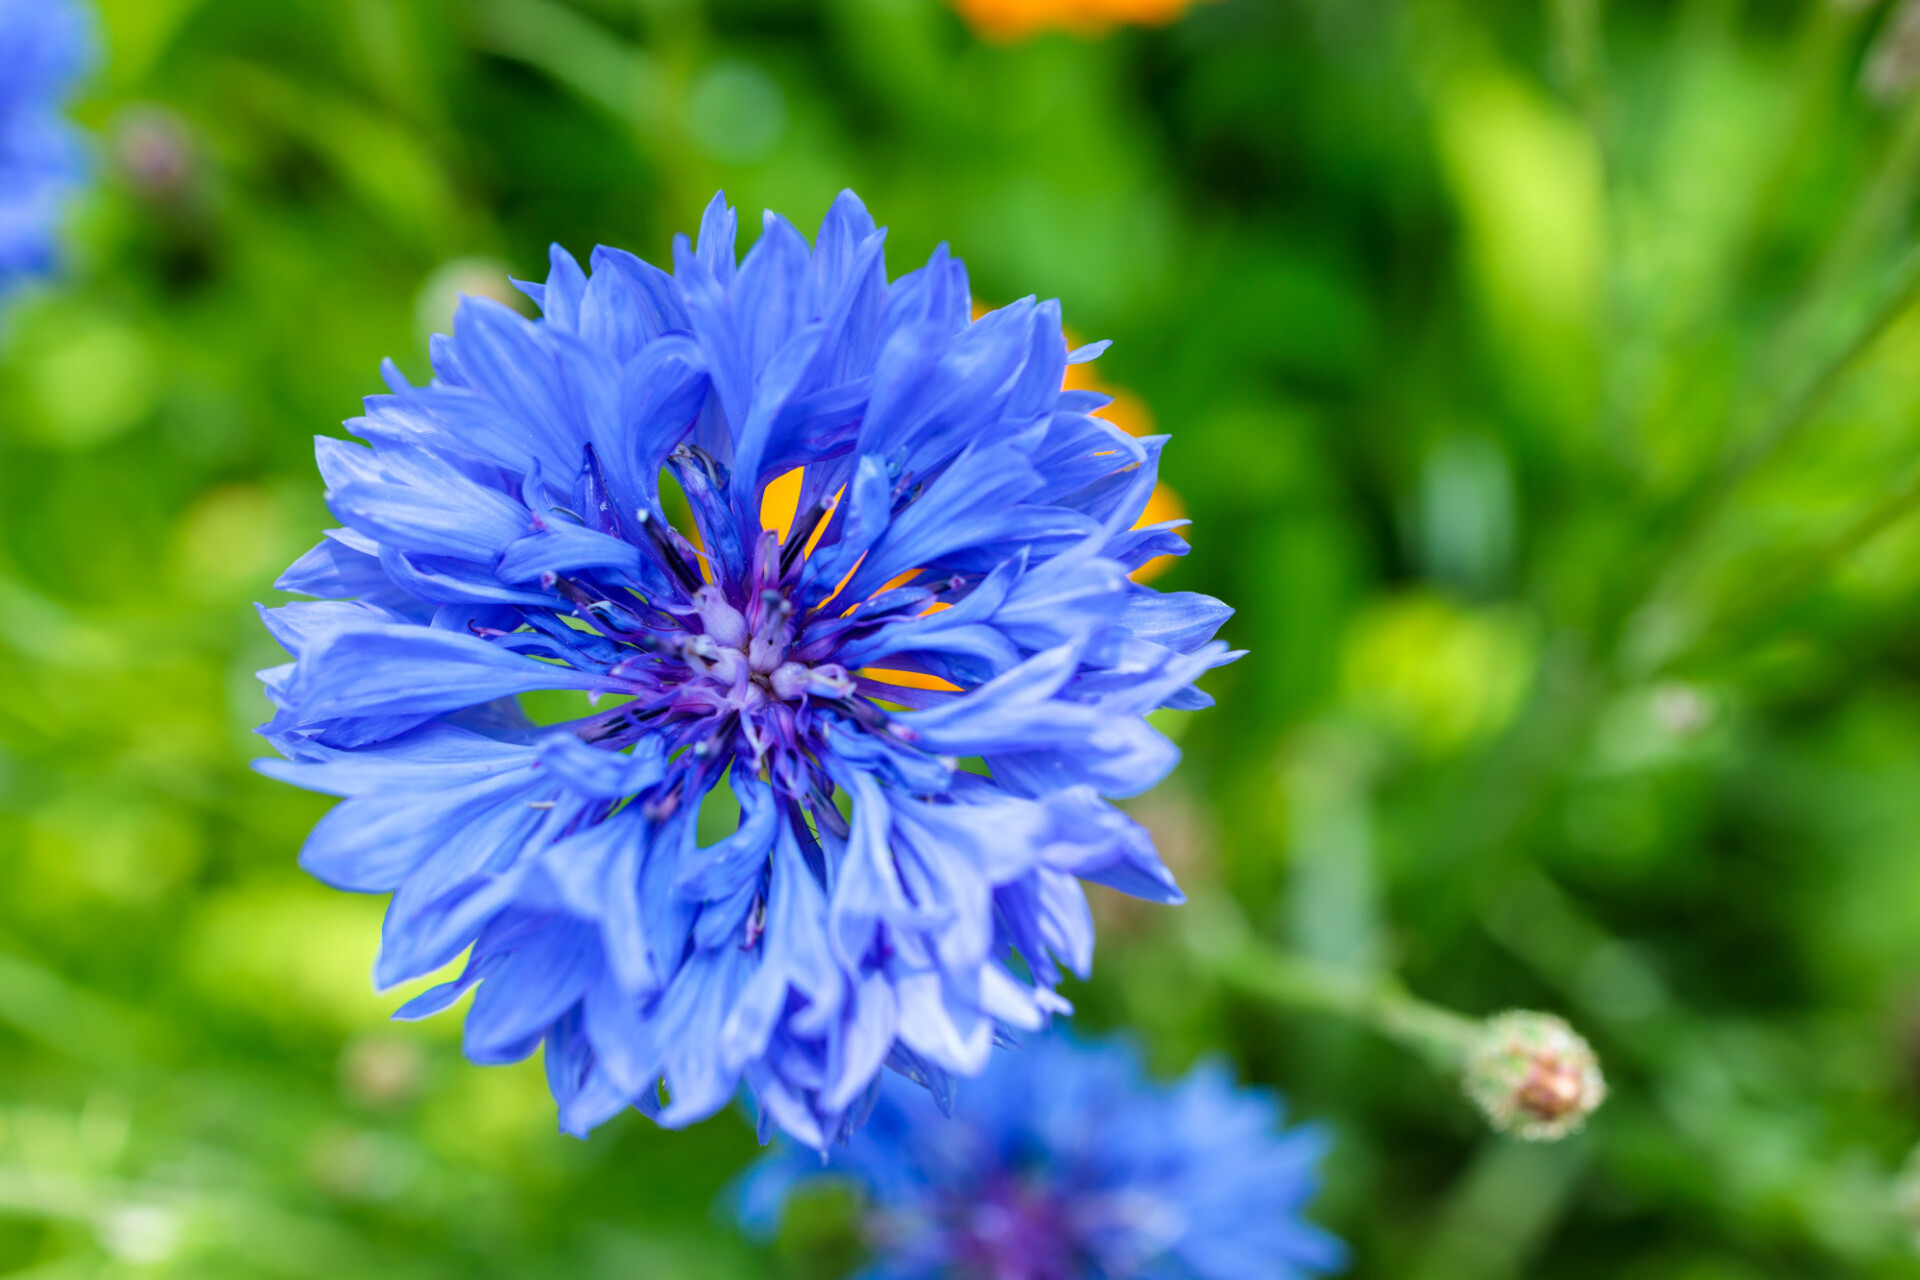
(892, 624)
(1065, 1164)
(45, 46)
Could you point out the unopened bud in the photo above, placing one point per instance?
(156, 154)
(1533, 1076)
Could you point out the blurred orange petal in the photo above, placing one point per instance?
(1129, 413)
(1017, 19)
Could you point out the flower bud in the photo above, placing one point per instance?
(156, 154)
(1533, 1076)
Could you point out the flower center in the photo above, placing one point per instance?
(740, 660)
(1017, 1231)
(722, 673)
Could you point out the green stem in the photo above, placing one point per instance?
(1376, 1001)
(1792, 416)
(1872, 223)
(1795, 413)
(1735, 628)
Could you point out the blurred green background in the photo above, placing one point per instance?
(1544, 384)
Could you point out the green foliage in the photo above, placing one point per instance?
(1543, 383)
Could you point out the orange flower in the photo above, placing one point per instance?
(1010, 20)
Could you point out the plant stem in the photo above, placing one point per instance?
(1792, 416)
(1736, 627)
(1377, 1001)
(1796, 412)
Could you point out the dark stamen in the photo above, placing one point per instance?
(800, 535)
(599, 730)
(715, 473)
(669, 554)
(869, 716)
(610, 617)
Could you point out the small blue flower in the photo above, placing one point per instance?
(907, 548)
(45, 46)
(1065, 1164)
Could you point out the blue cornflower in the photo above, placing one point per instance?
(906, 547)
(1065, 1164)
(45, 46)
